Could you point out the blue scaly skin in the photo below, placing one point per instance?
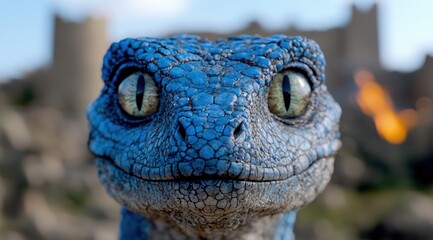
(189, 139)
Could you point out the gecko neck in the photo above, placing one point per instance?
(276, 227)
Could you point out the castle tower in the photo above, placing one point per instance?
(75, 75)
(424, 79)
(361, 45)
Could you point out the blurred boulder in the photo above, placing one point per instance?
(411, 220)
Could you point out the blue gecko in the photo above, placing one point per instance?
(213, 140)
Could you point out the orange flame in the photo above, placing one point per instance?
(376, 102)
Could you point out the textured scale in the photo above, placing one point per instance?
(213, 162)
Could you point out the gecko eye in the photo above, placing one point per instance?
(138, 95)
(289, 94)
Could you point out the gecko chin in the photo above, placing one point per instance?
(214, 201)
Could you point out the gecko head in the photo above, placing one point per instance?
(211, 135)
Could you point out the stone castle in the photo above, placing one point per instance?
(73, 78)
(352, 47)
(72, 81)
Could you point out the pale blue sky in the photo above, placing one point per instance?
(26, 25)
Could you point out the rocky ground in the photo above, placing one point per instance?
(49, 187)
(48, 183)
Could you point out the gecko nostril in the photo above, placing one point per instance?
(238, 130)
(181, 130)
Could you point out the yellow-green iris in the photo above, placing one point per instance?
(138, 95)
(288, 94)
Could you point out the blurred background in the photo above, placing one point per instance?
(380, 69)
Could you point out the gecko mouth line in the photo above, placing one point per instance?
(175, 175)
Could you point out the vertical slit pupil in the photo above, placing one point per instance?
(139, 93)
(286, 91)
